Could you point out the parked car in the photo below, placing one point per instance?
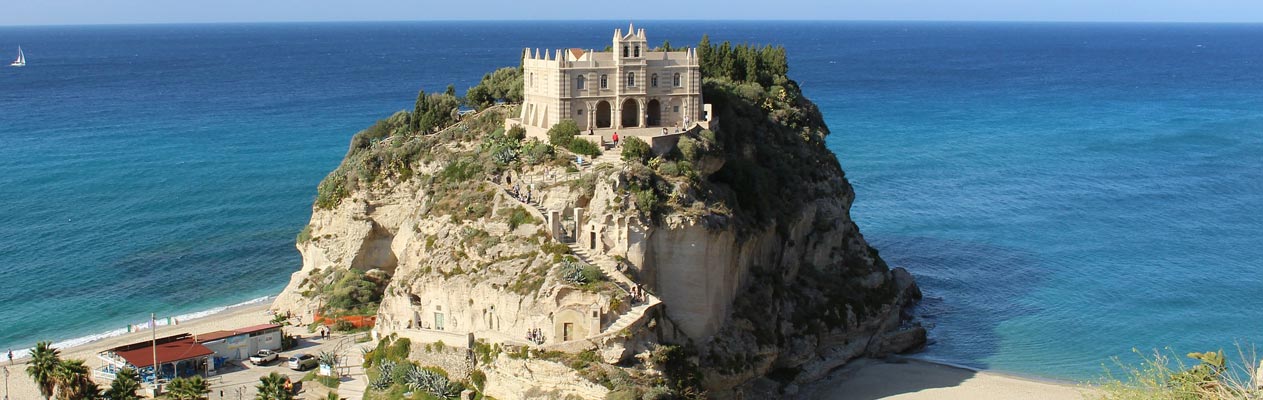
(302, 362)
(263, 357)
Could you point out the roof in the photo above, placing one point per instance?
(256, 328)
(576, 52)
(216, 335)
(141, 354)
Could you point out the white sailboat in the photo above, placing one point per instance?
(21, 61)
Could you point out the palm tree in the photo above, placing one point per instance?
(194, 388)
(272, 387)
(44, 362)
(73, 381)
(124, 386)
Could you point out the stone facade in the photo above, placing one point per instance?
(631, 86)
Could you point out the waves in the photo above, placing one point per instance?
(145, 324)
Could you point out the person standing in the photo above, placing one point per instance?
(615, 139)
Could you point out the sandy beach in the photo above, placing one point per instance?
(22, 388)
(911, 379)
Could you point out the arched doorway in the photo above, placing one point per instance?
(654, 112)
(603, 116)
(631, 113)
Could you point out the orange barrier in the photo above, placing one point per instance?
(358, 321)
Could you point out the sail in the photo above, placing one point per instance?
(21, 61)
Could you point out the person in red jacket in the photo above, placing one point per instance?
(615, 139)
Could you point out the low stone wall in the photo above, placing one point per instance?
(453, 360)
(419, 337)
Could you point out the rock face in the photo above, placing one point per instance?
(744, 236)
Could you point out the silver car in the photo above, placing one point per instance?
(302, 362)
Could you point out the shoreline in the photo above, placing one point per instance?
(918, 378)
(239, 315)
(186, 319)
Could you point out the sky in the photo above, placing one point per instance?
(74, 12)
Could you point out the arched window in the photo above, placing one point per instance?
(580, 83)
(624, 51)
(653, 80)
(631, 79)
(637, 50)
(675, 80)
(604, 81)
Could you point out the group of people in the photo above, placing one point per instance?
(637, 294)
(517, 193)
(535, 335)
(324, 331)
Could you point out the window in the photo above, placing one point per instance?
(653, 81)
(438, 321)
(624, 51)
(637, 51)
(675, 80)
(604, 82)
(532, 79)
(580, 83)
(579, 111)
(675, 109)
(631, 79)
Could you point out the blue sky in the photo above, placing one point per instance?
(44, 12)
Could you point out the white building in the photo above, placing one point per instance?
(631, 86)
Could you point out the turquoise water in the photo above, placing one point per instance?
(1063, 192)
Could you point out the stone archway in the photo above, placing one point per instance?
(603, 114)
(653, 113)
(631, 113)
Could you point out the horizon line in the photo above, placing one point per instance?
(986, 21)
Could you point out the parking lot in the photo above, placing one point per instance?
(236, 380)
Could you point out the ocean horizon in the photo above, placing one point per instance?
(1063, 192)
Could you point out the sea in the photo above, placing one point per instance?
(1064, 193)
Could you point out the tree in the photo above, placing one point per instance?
(44, 362)
(272, 387)
(666, 45)
(194, 388)
(635, 149)
(414, 123)
(73, 382)
(563, 132)
(124, 386)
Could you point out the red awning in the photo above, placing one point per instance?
(168, 352)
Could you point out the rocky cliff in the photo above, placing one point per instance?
(756, 279)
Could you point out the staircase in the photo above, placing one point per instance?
(608, 265)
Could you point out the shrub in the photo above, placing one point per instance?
(635, 149)
(535, 152)
(351, 291)
(516, 133)
(563, 133)
(304, 235)
(518, 216)
(584, 147)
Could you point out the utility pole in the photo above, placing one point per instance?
(153, 329)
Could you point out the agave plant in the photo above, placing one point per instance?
(431, 382)
(385, 376)
(572, 272)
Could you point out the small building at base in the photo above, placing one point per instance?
(239, 344)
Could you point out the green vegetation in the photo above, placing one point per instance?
(272, 387)
(304, 235)
(194, 388)
(433, 112)
(505, 84)
(1167, 377)
(124, 386)
(44, 362)
(352, 292)
(563, 135)
(391, 374)
(636, 150)
(331, 382)
(518, 216)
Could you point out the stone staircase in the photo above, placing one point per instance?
(606, 264)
